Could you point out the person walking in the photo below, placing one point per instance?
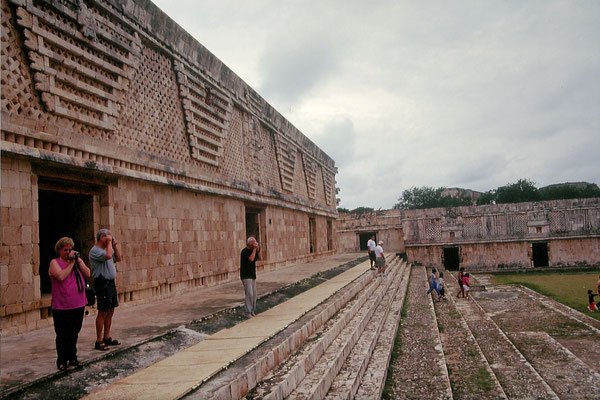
(371, 249)
(441, 287)
(103, 257)
(466, 285)
(433, 282)
(67, 279)
(248, 258)
(380, 259)
(461, 289)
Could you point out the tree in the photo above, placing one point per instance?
(343, 210)
(488, 197)
(428, 197)
(362, 210)
(523, 190)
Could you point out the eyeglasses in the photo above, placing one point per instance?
(67, 250)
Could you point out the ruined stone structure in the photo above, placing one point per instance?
(354, 230)
(523, 235)
(113, 116)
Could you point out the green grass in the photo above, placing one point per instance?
(568, 288)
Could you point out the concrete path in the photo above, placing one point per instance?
(177, 375)
(31, 356)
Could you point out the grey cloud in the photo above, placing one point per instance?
(294, 65)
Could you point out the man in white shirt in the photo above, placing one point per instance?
(371, 249)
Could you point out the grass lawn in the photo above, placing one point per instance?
(568, 288)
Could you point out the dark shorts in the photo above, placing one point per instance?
(106, 293)
(372, 256)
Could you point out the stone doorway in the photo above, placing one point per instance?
(451, 258)
(312, 234)
(63, 214)
(540, 254)
(255, 222)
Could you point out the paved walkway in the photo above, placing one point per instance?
(31, 356)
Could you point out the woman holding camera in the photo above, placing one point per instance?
(67, 276)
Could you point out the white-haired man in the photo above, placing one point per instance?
(103, 257)
(248, 258)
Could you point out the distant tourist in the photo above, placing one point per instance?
(593, 305)
(248, 258)
(433, 282)
(380, 259)
(441, 287)
(598, 285)
(103, 257)
(461, 289)
(67, 276)
(371, 249)
(466, 285)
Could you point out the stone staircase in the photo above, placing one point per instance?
(336, 350)
(451, 349)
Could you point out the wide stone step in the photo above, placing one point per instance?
(419, 370)
(516, 375)
(363, 376)
(243, 375)
(355, 338)
(568, 376)
(286, 378)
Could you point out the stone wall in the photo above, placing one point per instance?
(386, 225)
(114, 116)
(504, 236)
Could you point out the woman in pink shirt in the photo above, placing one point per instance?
(67, 276)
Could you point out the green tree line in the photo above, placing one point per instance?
(522, 191)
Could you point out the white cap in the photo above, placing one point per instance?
(380, 242)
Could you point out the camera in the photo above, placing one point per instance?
(75, 256)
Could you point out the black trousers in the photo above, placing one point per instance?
(67, 324)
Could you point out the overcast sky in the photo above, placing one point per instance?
(473, 94)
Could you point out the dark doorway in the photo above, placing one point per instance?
(364, 238)
(63, 214)
(312, 231)
(253, 225)
(540, 254)
(256, 227)
(329, 235)
(451, 258)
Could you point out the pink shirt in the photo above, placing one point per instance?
(466, 280)
(65, 295)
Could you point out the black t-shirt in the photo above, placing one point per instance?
(247, 267)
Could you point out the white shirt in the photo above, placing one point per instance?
(371, 245)
(378, 251)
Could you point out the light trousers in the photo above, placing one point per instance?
(250, 300)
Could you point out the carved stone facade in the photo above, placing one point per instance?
(523, 235)
(113, 116)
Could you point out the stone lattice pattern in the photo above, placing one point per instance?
(83, 59)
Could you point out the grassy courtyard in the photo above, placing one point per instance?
(568, 288)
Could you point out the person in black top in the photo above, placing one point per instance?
(248, 258)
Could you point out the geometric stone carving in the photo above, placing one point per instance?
(83, 58)
(207, 112)
(329, 186)
(310, 171)
(286, 158)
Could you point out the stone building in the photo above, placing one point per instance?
(354, 230)
(522, 235)
(113, 116)
(492, 237)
